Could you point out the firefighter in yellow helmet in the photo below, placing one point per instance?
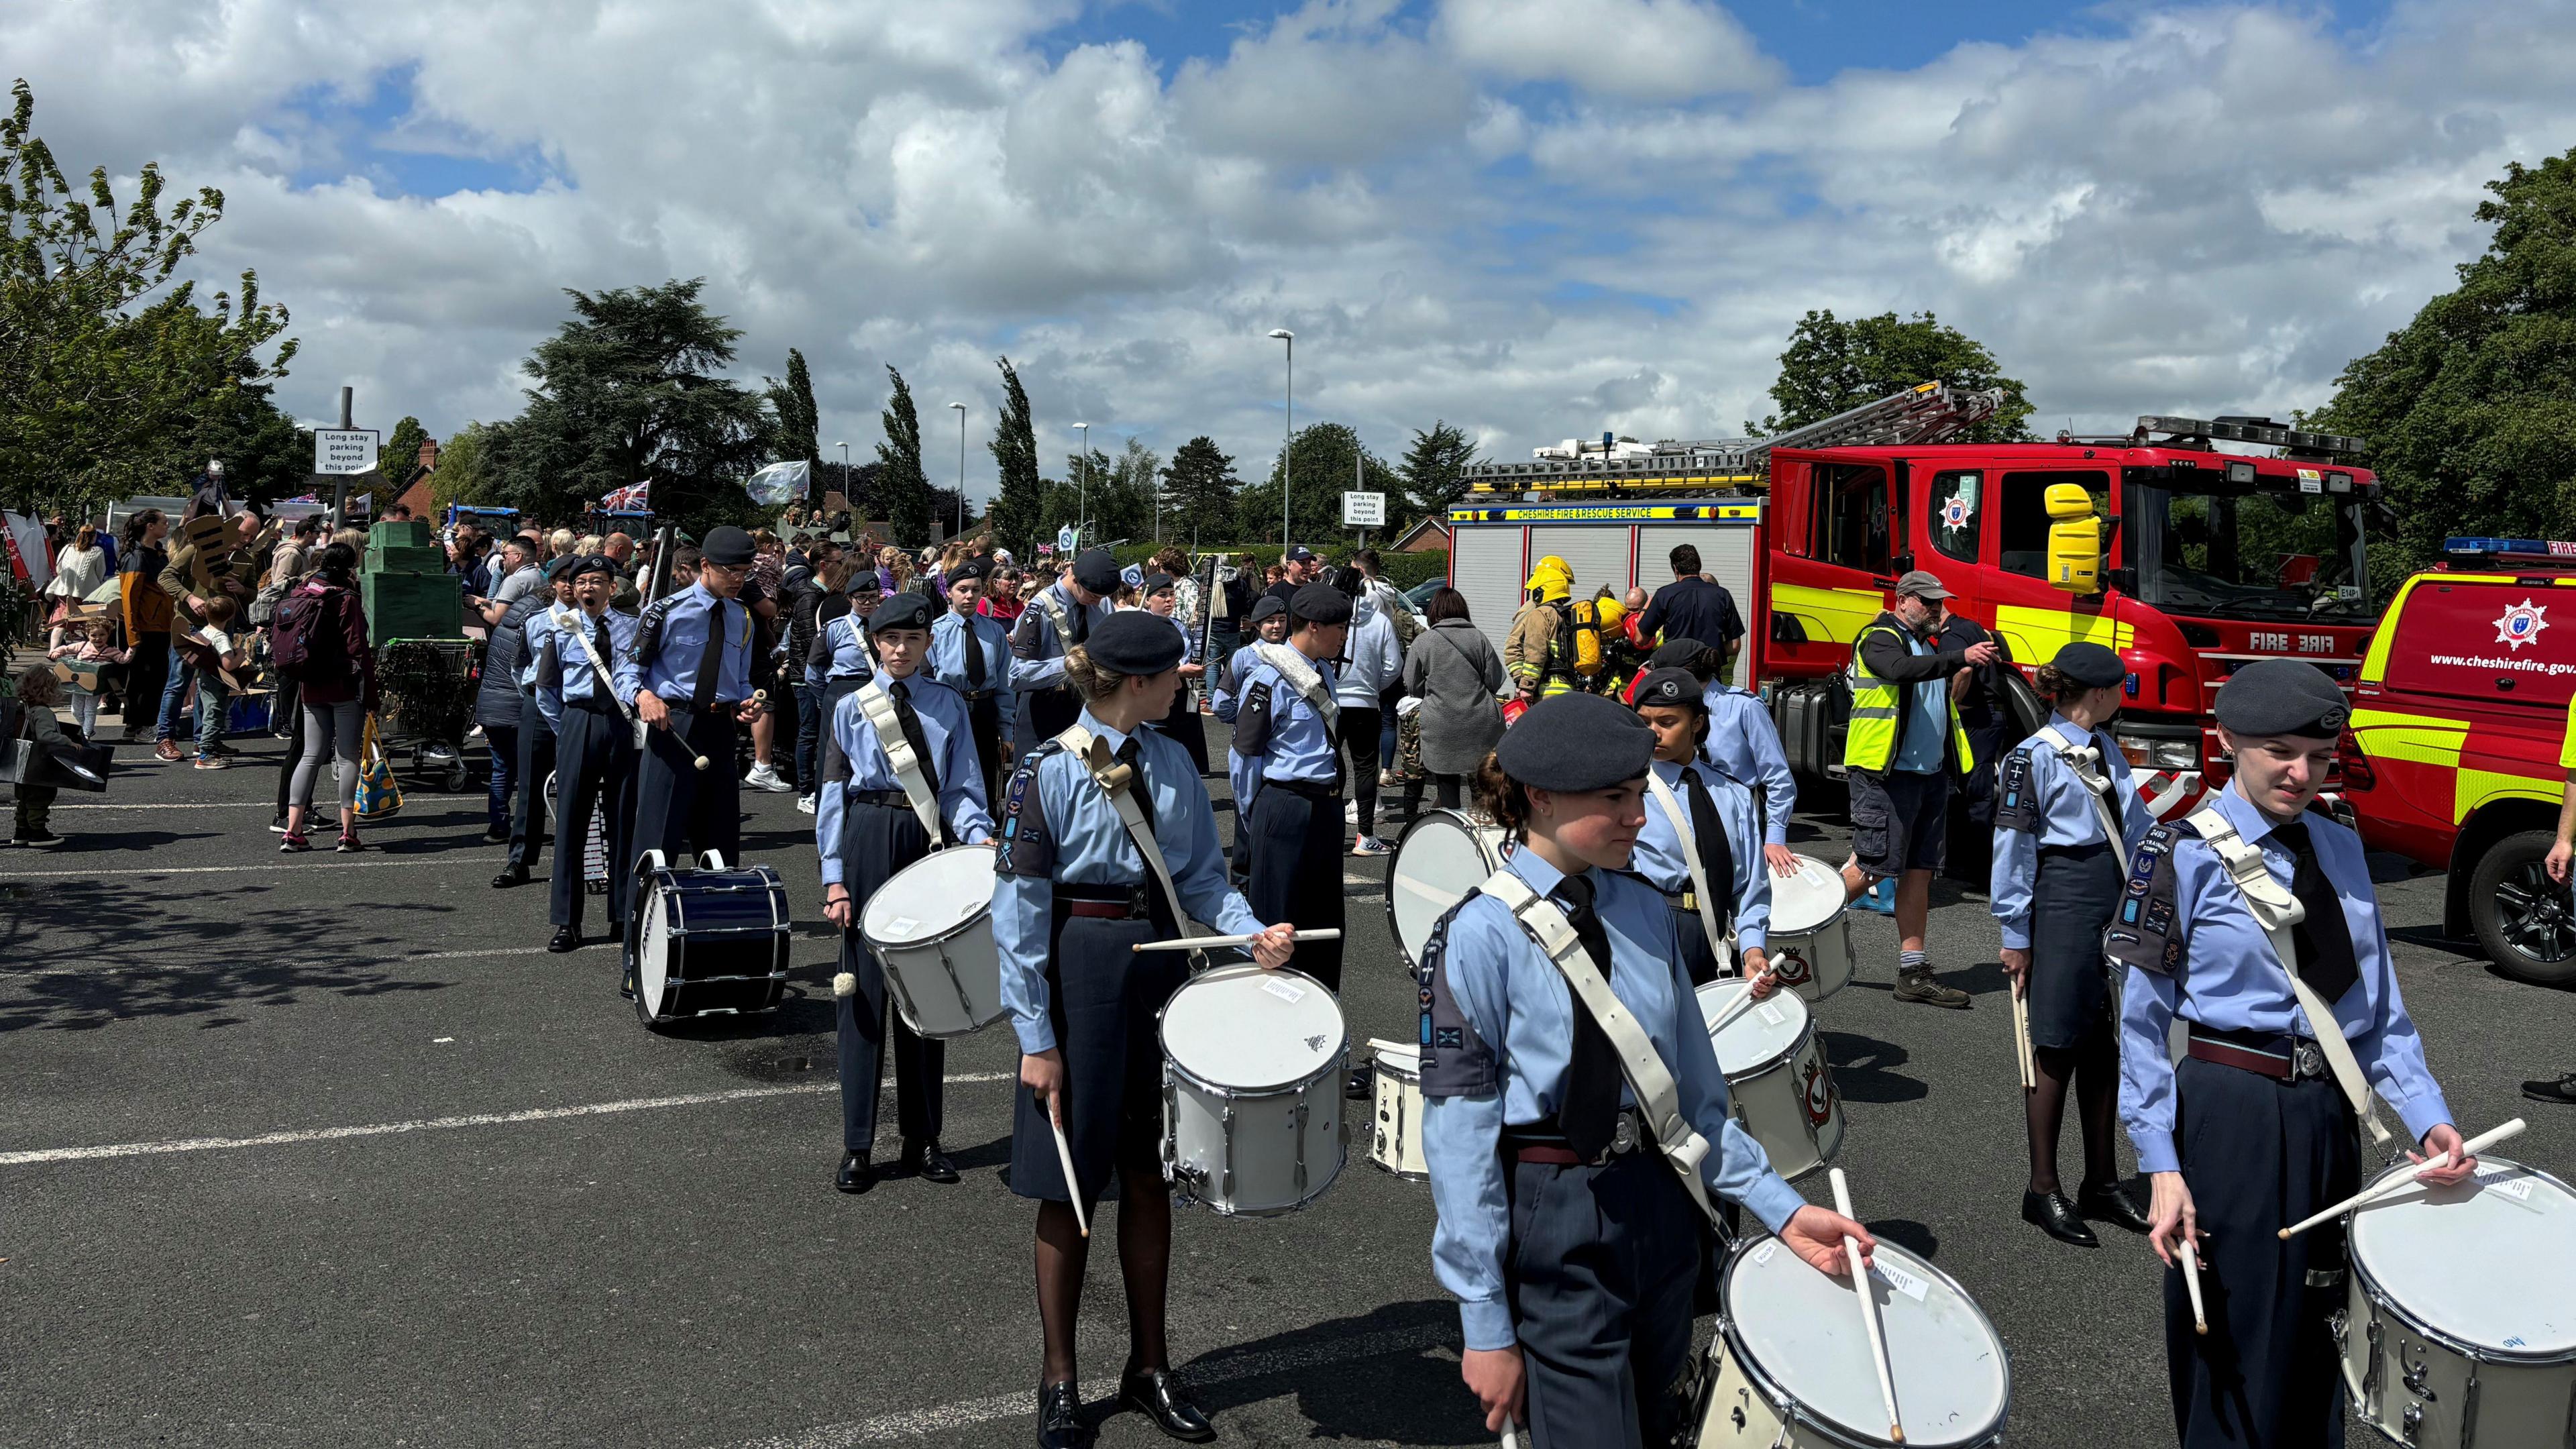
(1531, 653)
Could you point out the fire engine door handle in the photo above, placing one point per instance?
(2503, 683)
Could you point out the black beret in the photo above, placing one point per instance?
(1132, 641)
(2090, 665)
(1676, 654)
(1156, 583)
(595, 564)
(866, 578)
(1576, 742)
(901, 611)
(973, 568)
(1672, 684)
(561, 569)
(727, 547)
(1097, 571)
(1267, 605)
(2282, 697)
(1320, 604)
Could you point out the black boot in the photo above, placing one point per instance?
(854, 1176)
(1060, 1423)
(923, 1159)
(1159, 1396)
(2052, 1214)
(2108, 1203)
(567, 938)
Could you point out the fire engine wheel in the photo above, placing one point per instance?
(2525, 922)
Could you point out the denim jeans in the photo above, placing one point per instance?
(504, 743)
(173, 695)
(214, 703)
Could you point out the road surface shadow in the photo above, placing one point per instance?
(1864, 1069)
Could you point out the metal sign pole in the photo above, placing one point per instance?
(340, 493)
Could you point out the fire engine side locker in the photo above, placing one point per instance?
(1621, 544)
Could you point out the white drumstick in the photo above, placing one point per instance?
(1072, 1188)
(2022, 1057)
(1734, 1009)
(2191, 1281)
(1868, 1310)
(1208, 943)
(1511, 1434)
(2470, 1148)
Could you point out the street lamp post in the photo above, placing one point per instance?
(846, 489)
(961, 467)
(1288, 443)
(1082, 491)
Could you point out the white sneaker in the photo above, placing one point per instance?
(765, 777)
(805, 804)
(1371, 845)
(1351, 813)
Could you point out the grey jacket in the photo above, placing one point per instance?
(1453, 669)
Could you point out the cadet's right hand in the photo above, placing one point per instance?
(2173, 1215)
(1043, 1073)
(2017, 966)
(1985, 653)
(836, 905)
(650, 709)
(2556, 861)
(1494, 1375)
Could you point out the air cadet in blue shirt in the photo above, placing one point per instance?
(1571, 1244)
(1161, 593)
(839, 658)
(1742, 742)
(2272, 1137)
(866, 830)
(1072, 897)
(535, 737)
(2056, 881)
(1720, 809)
(1062, 615)
(689, 675)
(981, 674)
(1268, 620)
(1294, 869)
(594, 747)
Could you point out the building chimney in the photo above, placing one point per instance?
(428, 454)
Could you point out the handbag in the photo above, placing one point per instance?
(379, 795)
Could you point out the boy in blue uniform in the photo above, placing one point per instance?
(1286, 722)
(1062, 615)
(1720, 812)
(689, 675)
(971, 653)
(594, 747)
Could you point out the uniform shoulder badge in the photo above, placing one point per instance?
(1455, 1060)
(2145, 931)
(2016, 806)
(1252, 721)
(1023, 843)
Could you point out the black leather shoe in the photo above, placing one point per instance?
(497, 834)
(1157, 1395)
(1360, 1087)
(2057, 1217)
(1060, 1423)
(924, 1160)
(567, 938)
(854, 1176)
(2107, 1203)
(511, 875)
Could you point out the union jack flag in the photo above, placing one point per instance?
(634, 495)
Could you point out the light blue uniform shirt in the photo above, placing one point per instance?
(2067, 816)
(681, 642)
(1037, 654)
(2229, 978)
(944, 731)
(1745, 745)
(950, 635)
(1513, 997)
(1091, 848)
(1300, 747)
(559, 669)
(1926, 744)
(1659, 850)
(846, 640)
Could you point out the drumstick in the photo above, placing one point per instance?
(1868, 1310)
(758, 696)
(1734, 1009)
(1511, 1434)
(2470, 1148)
(2191, 1281)
(2021, 1039)
(1072, 1189)
(1208, 943)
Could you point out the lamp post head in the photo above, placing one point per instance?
(1283, 334)
(961, 407)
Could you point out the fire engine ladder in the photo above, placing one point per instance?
(1927, 412)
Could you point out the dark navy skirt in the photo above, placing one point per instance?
(2078, 888)
(1103, 1000)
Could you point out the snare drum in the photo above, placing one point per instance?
(931, 926)
(2459, 1325)
(1811, 944)
(1396, 1146)
(1791, 1366)
(1778, 1084)
(1252, 1090)
(1442, 856)
(709, 941)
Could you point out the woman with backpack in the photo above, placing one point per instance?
(321, 643)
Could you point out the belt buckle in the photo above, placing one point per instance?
(2307, 1060)
(1623, 1138)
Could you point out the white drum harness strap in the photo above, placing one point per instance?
(1302, 677)
(878, 706)
(2081, 759)
(1118, 782)
(1680, 817)
(572, 624)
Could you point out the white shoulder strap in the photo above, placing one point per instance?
(2082, 759)
(1056, 616)
(2276, 910)
(878, 706)
(571, 624)
(1303, 677)
(1117, 782)
(1680, 817)
(1648, 1078)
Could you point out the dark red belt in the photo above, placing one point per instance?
(1560, 1156)
(2278, 1058)
(1106, 910)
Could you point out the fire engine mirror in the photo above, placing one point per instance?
(2074, 540)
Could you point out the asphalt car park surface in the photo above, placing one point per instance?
(327, 1149)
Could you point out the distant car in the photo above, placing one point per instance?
(1418, 598)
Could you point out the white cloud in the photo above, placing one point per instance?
(1641, 50)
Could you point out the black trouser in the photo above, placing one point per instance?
(984, 719)
(1600, 1268)
(1296, 869)
(594, 767)
(536, 740)
(1360, 728)
(145, 678)
(876, 841)
(679, 808)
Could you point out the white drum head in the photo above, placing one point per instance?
(930, 897)
(1442, 856)
(1397, 1059)
(1802, 1331)
(2485, 1263)
(1802, 902)
(1759, 1035)
(653, 949)
(1250, 1030)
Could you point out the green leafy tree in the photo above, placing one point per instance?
(1118, 492)
(799, 420)
(110, 376)
(902, 493)
(629, 390)
(1322, 454)
(471, 466)
(1435, 469)
(2470, 409)
(399, 459)
(1834, 366)
(1019, 505)
(1198, 493)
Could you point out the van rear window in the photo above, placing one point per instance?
(2504, 642)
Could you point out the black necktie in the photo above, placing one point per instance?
(1589, 1115)
(710, 659)
(974, 652)
(1132, 756)
(909, 721)
(2324, 939)
(599, 643)
(1716, 852)
(1081, 625)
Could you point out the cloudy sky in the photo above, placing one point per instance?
(1534, 218)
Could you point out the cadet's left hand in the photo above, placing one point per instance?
(1784, 861)
(1756, 963)
(1816, 1234)
(2445, 1138)
(836, 905)
(751, 709)
(1272, 948)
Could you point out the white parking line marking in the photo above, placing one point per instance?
(1020, 1404)
(100, 968)
(414, 862)
(441, 1124)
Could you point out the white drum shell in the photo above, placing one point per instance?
(1784, 1098)
(1396, 1145)
(1810, 936)
(946, 974)
(1256, 1152)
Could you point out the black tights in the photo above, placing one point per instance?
(2093, 1064)
(1144, 1260)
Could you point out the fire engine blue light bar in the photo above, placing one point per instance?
(2481, 545)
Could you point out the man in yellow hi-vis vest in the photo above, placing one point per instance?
(1904, 745)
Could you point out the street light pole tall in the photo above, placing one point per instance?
(1288, 444)
(1082, 491)
(848, 489)
(961, 467)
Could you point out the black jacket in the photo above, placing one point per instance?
(496, 699)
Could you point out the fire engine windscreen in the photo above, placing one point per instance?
(2264, 550)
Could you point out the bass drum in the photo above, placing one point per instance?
(709, 941)
(1442, 856)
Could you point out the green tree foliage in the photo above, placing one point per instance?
(1198, 493)
(799, 421)
(627, 390)
(110, 384)
(1322, 455)
(1833, 366)
(470, 466)
(2470, 409)
(399, 459)
(1016, 514)
(1120, 493)
(1435, 470)
(902, 493)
